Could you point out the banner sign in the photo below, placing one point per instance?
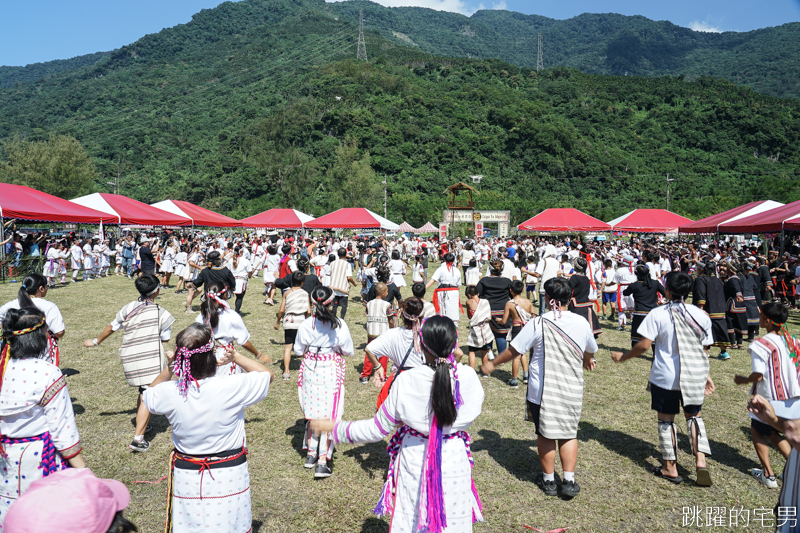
(442, 232)
(478, 229)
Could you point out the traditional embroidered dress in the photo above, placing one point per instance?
(735, 312)
(581, 303)
(446, 299)
(339, 273)
(771, 358)
(558, 341)
(321, 382)
(51, 264)
(180, 264)
(751, 299)
(645, 298)
(480, 332)
(495, 289)
(37, 425)
(398, 269)
(167, 260)
(405, 496)
(296, 308)
(53, 319)
(378, 312)
(209, 487)
(146, 326)
(241, 272)
(710, 293)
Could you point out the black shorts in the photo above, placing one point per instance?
(764, 429)
(533, 414)
(289, 336)
(487, 348)
(669, 402)
(515, 331)
(142, 389)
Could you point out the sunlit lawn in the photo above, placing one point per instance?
(618, 439)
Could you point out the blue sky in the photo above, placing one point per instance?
(41, 30)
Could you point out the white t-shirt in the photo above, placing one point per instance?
(394, 344)
(658, 327)
(211, 418)
(230, 330)
(467, 256)
(52, 316)
(416, 275)
(532, 336)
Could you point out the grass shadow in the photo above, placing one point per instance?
(297, 432)
(512, 454)
(114, 413)
(77, 408)
(370, 457)
(67, 372)
(375, 525)
(257, 526)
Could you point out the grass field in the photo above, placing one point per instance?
(618, 442)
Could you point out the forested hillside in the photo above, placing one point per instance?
(252, 106)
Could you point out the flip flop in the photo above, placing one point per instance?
(676, 480)
(703, 477)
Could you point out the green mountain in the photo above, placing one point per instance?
(765, 59)
(607, 43)
(259, 104)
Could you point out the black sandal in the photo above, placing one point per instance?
(676, 480)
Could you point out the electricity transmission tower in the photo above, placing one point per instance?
(361, 54)
(539, 56)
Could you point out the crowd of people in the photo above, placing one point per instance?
(536, 302)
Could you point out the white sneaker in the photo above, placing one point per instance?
(765, 480)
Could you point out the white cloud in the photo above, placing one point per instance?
(455, 6)
(704, 26)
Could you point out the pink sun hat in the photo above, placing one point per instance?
(70, 501)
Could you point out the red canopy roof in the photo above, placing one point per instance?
(278, 219)
(563, 219)
(352, 217)
(710, 224)
(129, 211)
(18, 201)
(649, 221)
(786, 217)
(200, 216)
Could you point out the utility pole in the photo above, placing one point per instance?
(539, 55)
(361, 53)
(668, 182)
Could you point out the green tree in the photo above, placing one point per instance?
(353, 179)
(57, 166)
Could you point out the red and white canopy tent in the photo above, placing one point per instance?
(427, 228)
(649, 221)
(277, 219)
(711, 224)
(563, 219)
(352, 218)
(199, 216)
(405, 227)
(782, 218)
(24, 203)
(129, 211)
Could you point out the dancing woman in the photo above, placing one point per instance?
(323, 339)
(431, 448)
(207, 418)
(37, 423)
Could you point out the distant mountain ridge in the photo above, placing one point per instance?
(764, 59)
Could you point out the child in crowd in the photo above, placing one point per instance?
(472, 275)
(775, 378)
(608, 287)
(380, 317)
(147, 326)
(520, 311)
(480, 334)
(418, 290)
(530, 279)
(418, 271)
(295, 307)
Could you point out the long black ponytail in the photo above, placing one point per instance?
(322, 297)
(30, 285)
(439, 337)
